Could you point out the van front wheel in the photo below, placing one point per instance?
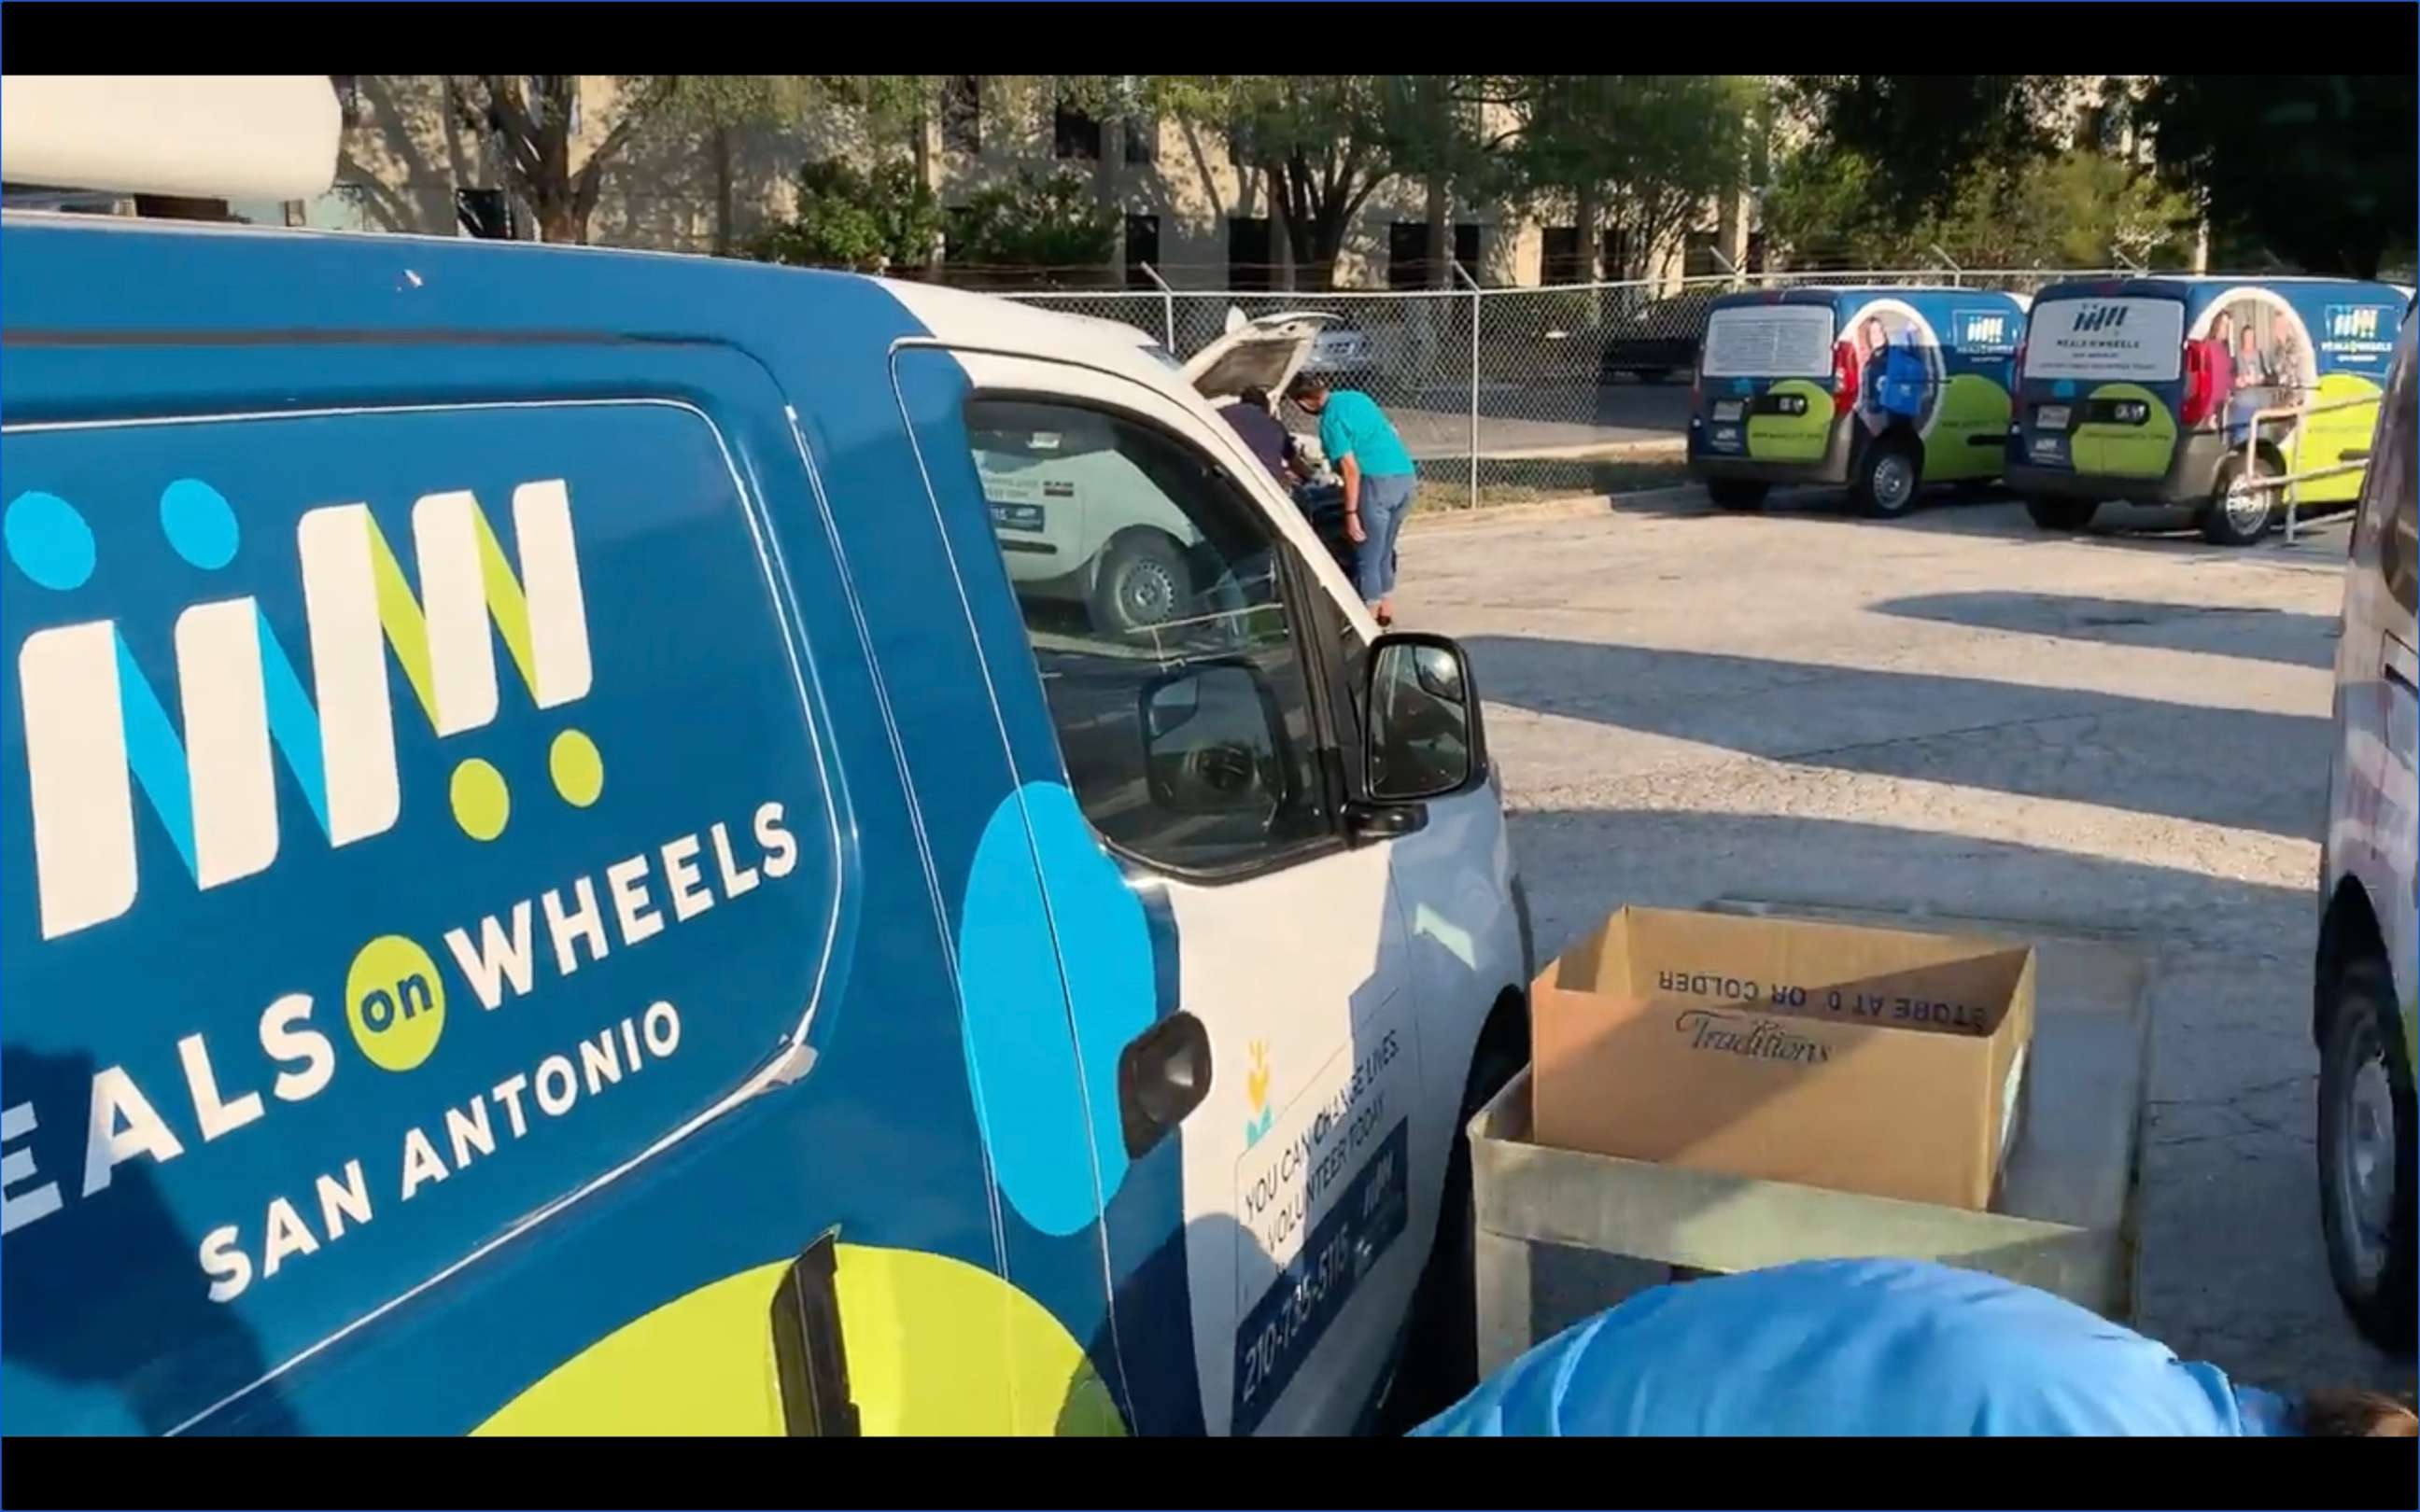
(2062, 514)
(2366, 1155)
(1887, 479)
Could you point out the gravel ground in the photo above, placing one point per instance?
(1960, 714)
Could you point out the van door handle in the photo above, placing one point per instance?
(1163, 1074)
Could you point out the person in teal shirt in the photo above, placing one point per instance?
(1878, 1348)
(1377, 475)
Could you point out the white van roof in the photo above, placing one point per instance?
(257, 137)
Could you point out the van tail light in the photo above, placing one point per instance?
(2201, 384)
(1844, 377)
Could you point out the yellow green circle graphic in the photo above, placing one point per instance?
(394, 1002)
(578, 770)
(481, 805)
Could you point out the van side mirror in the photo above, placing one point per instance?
(1425, 736)
(1212, 740)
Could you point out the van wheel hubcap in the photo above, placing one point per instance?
(1894, 479)
(2365, 1166)
(1146, 594)
(2246, 506)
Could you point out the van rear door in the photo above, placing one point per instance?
(1766, 381)
(2104, 388)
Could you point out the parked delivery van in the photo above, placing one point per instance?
(558, 882)
(2146, 390)
(1882, 389)
(2365, 972)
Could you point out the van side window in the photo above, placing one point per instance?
(1173, 665)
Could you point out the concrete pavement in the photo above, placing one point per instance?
(2116, 734)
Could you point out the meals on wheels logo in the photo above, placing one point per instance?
(2100, 318)
(96, 729)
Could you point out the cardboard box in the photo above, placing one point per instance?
(1867, 1061)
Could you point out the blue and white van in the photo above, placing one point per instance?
(1882, 389)
(556, 883)
(2147, 391)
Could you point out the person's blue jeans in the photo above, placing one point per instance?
(1384, 503)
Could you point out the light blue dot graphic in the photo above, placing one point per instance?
(1037, 1080)
(49, 540)
(199, 522)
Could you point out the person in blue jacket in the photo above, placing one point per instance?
(1878, 1348)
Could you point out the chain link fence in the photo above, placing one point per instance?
(1506, 394)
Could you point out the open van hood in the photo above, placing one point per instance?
(1267, 352)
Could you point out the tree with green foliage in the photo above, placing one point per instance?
(1034, 220)
(2080, 209)
(2317, 168)
(532, 121)
(885, 220)
(1642, 151)
(1924, 136)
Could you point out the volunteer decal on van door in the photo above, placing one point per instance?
(1321, 1199)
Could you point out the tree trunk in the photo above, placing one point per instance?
(1441, 252)
(1281, 238)
(1588, 217)
(1440, 227)
(1105, 189)
(725, 209)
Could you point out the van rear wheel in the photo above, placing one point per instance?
(2239, 512)
(1736, 493)
(2062, 514)
(1143, 581)
(1889, 476)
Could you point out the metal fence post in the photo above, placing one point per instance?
(1956, 273)
(1167, 305)
(1476, 296)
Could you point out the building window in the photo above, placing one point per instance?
(962, 112)
(1074, 134)
(1558, 256)
(1697, 255)
(1142, 246)
(1142, 139)
(1408, 258)
(1613, 254)
(1250, 263)
(484, 213)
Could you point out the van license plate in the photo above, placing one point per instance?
(1727, 410)
(2051, 417)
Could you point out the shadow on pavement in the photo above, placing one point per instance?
(2257, 631)
(2101, 748)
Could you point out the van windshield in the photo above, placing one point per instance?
(2136, 340)
(1770, 341)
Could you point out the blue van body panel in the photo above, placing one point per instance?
(718, 425)
(2347, 328)
(1954, 354)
